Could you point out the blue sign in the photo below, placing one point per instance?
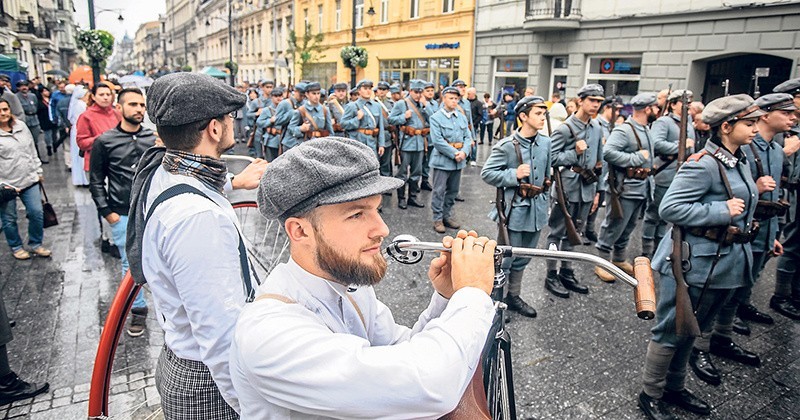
(443, 46)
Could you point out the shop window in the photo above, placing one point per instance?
(441, 71)
(510, 76)
(618, 75)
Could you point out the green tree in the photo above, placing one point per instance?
(306, 50)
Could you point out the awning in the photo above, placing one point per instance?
(214, 72)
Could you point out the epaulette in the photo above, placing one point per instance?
(696, 157)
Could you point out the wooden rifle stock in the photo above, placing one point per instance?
(685, 320)
(572, 232)
(502, 219)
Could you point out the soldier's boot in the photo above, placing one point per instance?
(618, 258)
(513, 300)
(654, 379)
(401, 197)
(601, 273)
(703, 367)
(438, 226)
(725, 347)
(426, 185)
(784, 306)
(648, 247)
(740, 327)
(412, 201)
(568, 280)
(553, 284)
(748, 312)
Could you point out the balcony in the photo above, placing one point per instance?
(552, 15)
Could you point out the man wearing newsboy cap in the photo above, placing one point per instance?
(183, 241)
(316, 342)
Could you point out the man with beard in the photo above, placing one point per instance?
(336, 107)
(115, 155)
(317, 342)
(183, 241)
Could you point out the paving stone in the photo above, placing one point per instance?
(40, 406)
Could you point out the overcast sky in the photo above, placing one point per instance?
(135, 13)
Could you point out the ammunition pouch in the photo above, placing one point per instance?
(726, 235)
(768, 209)
(637, 172)
(311, 134)
(338, 127)
(274, 131)
(411, 131)
(793, 186)
(588, 176)
(526, 190)
(457, 145)
(370, 131)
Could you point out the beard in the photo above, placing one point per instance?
(349, 271)
(651, 118)
(134, 119)
(222, 148)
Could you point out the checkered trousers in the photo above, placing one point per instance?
(187, 390)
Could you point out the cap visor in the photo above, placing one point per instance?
(755, 114)
(381, 185)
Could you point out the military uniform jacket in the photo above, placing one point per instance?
(321, 118)
(665, 133)
(697, 197)
(602, 184)
(464, 107)
(771, 155)
(372, 119)
(792, 164)
(448, 128)
(386, 109)
(398, 117)
(283, 115)
(30, 103)
(622, 151)
(263, 122)
(500, 171)
(564, 155)
(337, 111)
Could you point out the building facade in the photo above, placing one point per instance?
(709, 46)
(147, 46)
(416, 39)
(181, 34)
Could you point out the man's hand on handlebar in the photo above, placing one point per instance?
(469, 264)
(249, 178)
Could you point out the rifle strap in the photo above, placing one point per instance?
(724, 177)
(518, 150)
(415, 109)
(757, 158)
(635, 134)
(303, 111)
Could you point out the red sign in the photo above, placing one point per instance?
(607, 66)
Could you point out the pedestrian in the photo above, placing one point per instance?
(115, 155)
(665, 133)
(79, 101)
(558, 114)
(12, 387)
(311, 120)
(451, 140)
(629, 153)
(188, 249)
(577, 154)
(429, 107)
(488, 116)
(510, 118)
(363, 119)
(317, 342)
(520, 164)
(240, 122)
(284, 113)
(7, 94)
(30, 105)
(712, 193)
(48, 127)
(96, 120)
(476, 109)
(413, 128)
(21, 170)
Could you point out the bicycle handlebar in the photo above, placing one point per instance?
(407, 249)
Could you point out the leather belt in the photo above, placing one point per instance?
(338, 127)
(587, 176)
(411, 131)
(457, 145)
(529, 190)
(369, 131)
(30, 113)
(793, 186)
(273, 130)
(727, 235)
(637, 172)
(766, 209)
(317, 133)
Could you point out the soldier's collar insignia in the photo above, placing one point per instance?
(724, 156)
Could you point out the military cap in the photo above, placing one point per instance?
(267, 82)
(616, 100)
(364, 82)
(459, 82)
(428, 84)
(776, 102)
(300, 86)
(643, 100)
(417, 85)
(5, 78)
(395, 89)
(528, 102)
(451, 89)
(182, 98)
(730, 108)
(792, 87)
(340, 86)
(592, 90)
(313, 86)
(328, 170)
(676, 95)
(354, 91)
(383, 85)
(22, 83)
(278, 91)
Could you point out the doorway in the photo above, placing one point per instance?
(739, 72)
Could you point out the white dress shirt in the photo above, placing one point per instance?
(316, 359)
(190, 258)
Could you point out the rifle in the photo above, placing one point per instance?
(613, 191)
(502, 219)
(572, 232)
(664, 111)
(685, 319)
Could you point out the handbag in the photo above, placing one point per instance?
(7, 193)
(49, 213)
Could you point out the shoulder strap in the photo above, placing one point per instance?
(358, 310)
(518, 150)
(414, 108)
(304, 111)
(571, 131)
(757, 158)
(180, 189)
(635, 134)
(461, 109)
(274, 296)
(724, 177)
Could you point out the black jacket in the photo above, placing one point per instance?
(115, 155)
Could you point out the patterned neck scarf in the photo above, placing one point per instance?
(211, 172)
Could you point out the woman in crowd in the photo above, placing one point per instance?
(78, 103)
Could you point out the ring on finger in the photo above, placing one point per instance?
(478, 244)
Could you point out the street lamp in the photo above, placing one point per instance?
(95, 64)
(230, 36)
(185, 47)
(371, 12)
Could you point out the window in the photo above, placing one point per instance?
(441, 71)
(618, 75)
(559, 72)
(384, 11)
(448, 6)
(510, 75)
(305, 19)
(338, 22)
(414, 9)
(319, 18)
(359, 13)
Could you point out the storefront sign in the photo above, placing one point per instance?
(443, 46)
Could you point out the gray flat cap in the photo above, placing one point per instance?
(528, 102)
(592, 90)
(459, 82)
(313, 86)
(791, 86)
(451, 89)
(730, 108)
(383, 85)
(643, 100)
(300, 87)
(676, 95)
(429, 85)
(327, 170)
(416, 84)
(776, 102)
(338, 86)
(278, 91)
(364, 82)
(354, 91)
(395, 89)
(182, 98)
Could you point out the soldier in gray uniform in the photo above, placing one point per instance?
(451, 142)
(390, 131)
(629, 153)
(578, 154)
(608, 109)
(786, 299)
(413, 127)
(266, 124)
(284, 113)
(30, 103)
(396, 93)
(712, 194)
(526, 182)
(665, 133)
(311, 120)
(336, 106)
(431, 106)
(363, 120)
